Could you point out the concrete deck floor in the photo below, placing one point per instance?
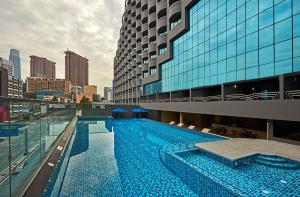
(241, 147)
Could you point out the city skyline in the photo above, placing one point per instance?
(89, 28)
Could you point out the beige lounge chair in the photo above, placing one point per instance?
(191, 127)
(172, 123)
(180, 124)
(205, 130)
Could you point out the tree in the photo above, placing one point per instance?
(85, 100)
(96, 98)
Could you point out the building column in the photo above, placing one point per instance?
(181, 118)
(281, 87)
(222, 92)
(270, 129)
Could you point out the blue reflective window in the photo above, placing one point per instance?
(241, 62)
(231, 64)
(231, 19)
(222, 11)
(213, 4)
(284, 66)
(266, 55)
(231, 76)
(213, 16)
(222, 39)
(283, 50)
(213, 29)
(296, 64)
(252, 8)
(281, 28)
(240, 3)
(222, 67)
(282, 10)
(252, 25)
(222, 53)
(296, 25)
(241, 46)
(231, 34)
(252, 42)
(265, 4)
(266, 36)
(252, 73)
(252, 59)
(266, 70)
(241, 14)
(266, 18)
(241, 74)
(296, 7)
(296, 45)
(222, 25)
(231, 49)
(241, 30)
(231, 5)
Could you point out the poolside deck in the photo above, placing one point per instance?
(241, 147)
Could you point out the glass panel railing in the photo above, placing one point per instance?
(28, 131)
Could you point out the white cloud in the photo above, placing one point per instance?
(48, 27)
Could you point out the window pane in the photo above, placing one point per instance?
(296, 25)
(296, 66)
(266, 18)
(231, 34)
(241, 30)
(252, 59)
(252, 25)
(241, 62)
(241, 74)
(241, 45)
(252, 73)
(265, 4)
(266, 37)
(231, 5)
(252, 8)
(231, 49)
(252, 42)
(296, 46)
(283, 50)
(283, 10)
(282, 67)
(231, 64)
(283, 30)
(266, 55)
(231, 20)
(266, 70)
(296, 6)
(241, 14)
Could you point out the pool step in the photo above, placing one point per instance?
(276, 162)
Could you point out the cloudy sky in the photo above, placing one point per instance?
(47, 28)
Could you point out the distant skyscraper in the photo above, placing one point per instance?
(41, 67)
(14, 57)
(77, 69)
(108, 94)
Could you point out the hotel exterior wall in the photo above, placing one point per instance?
(41, 67)
(228, 41)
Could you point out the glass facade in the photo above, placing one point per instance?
(233, 40)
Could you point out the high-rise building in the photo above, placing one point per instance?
(14, 57)
(3, 82)
(38, 83)
(108, 94)
(89, 91)
(230, 63)
(41, 67)
(7, 65)
(12, 85)
(76, 69)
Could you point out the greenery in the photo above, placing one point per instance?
(85, 102)
(54, 99)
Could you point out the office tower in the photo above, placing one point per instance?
(108, 94)
(76, 69)
(14, 57)
(41, 67)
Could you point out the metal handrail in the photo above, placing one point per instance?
(253, 96)
(292, 94)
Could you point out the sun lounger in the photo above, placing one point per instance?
(180, 124)
(205, 130)
(191, 127)
(172, 123)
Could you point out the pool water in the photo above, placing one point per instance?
(138, 157)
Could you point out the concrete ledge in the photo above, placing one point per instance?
(288, 110)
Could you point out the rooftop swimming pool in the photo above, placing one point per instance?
(138, 157)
